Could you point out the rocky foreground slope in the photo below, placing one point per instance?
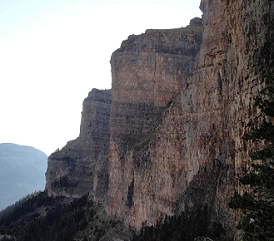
(169, 133)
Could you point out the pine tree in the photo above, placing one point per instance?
(257, 204)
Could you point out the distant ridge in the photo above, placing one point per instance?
(22, 172)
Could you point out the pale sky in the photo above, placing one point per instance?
(53, 52)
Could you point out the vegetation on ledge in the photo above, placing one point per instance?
(188, 226)
(44, 218)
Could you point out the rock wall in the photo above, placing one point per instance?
(147, 72)
(195, 153)
(169, 136)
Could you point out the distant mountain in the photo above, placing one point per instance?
(22, 172)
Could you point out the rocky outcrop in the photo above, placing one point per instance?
(82, 165)
(174, 134)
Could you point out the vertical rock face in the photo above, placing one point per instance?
(147, 72)
(169, 137)
(149, 68)
(81, 166)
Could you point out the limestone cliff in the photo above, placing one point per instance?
(147, 72)
(173, 134)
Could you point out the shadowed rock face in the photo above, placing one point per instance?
(82, 165)
(175, 131)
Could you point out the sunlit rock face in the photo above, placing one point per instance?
(169, 133)
(193, 154)
(139, 100)
(147, 73)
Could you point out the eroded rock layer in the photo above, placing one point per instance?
(82, 165)
(147, 72)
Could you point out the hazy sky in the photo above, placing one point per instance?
(53, 52)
